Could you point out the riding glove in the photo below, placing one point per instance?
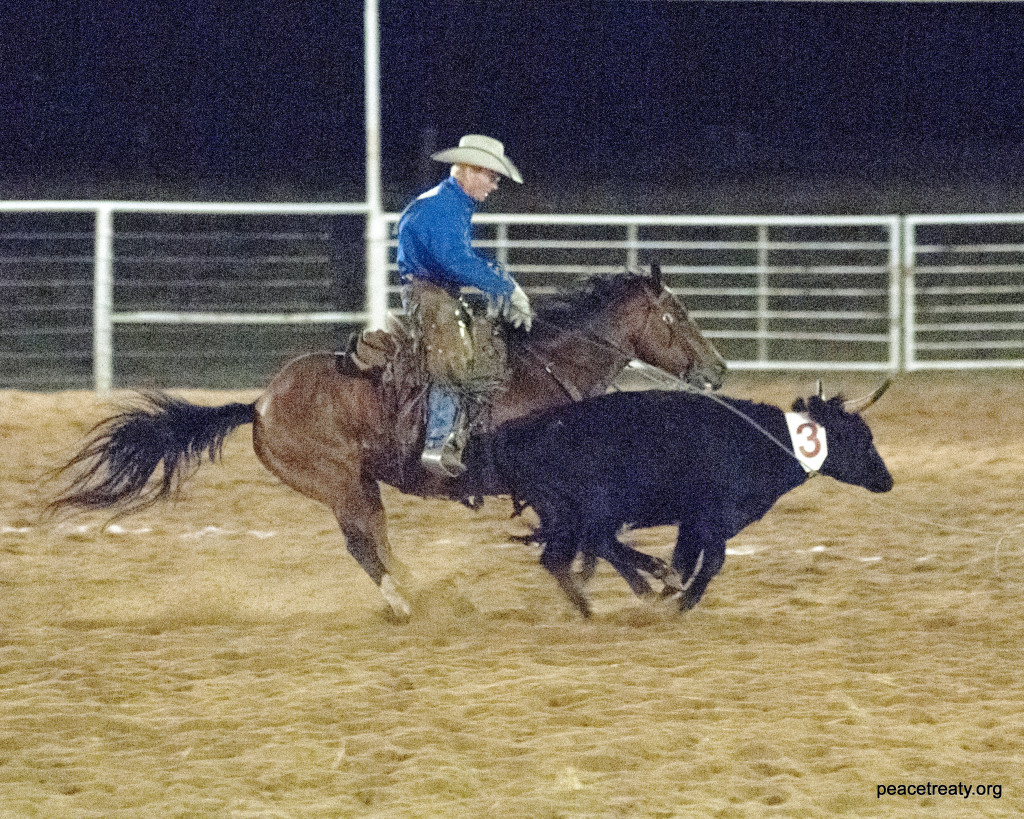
(517, 310)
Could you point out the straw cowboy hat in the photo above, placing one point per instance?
(483, 152)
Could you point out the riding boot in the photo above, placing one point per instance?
(446, 434)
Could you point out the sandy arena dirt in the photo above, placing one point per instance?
(224, 656)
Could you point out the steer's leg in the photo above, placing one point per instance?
(557, 557)
(629, 562)
(698, 557)
(653, 566)
(625, 561)
(588, 565)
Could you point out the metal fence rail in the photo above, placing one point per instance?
(774, 292)
(210, 293)
(46, 304)
(97, 294)
(965, 298)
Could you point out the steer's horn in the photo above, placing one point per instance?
(861, 404)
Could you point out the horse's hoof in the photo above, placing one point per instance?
(400, 608)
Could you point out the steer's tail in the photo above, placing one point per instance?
(114, 466)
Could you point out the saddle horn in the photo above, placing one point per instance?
(656, 274)
(861, 404)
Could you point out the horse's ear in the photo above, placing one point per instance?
(656, 274)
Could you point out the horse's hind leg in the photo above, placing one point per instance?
(362, 521)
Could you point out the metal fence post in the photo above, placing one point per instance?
(897, 236)
(103, 302)
(376, 225)
(909, 294)
(762, 293)
(376, 270)
(632, 251)
(501, 239)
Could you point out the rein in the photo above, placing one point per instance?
(568, 388)
(589, 337)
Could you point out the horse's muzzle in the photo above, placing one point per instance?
(706, 378)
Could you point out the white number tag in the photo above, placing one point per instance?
(808, 437)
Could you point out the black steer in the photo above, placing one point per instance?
(710, 465)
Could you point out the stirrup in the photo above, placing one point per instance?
(444, 460)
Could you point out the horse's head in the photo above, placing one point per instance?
(581, 341)
(664, 335)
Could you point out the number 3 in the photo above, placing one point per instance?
(809, 429)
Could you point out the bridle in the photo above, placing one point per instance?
(663, 302)
(657, 303)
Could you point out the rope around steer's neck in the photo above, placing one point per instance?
(663, 378)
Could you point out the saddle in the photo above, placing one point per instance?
(395, 360)
(389, 359)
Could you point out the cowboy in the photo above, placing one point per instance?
(438, 266)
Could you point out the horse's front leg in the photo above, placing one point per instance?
(360, 514)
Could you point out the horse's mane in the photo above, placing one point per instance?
(559, 313)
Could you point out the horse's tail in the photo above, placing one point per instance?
(114, 466)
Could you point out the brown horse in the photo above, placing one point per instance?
(332, 436)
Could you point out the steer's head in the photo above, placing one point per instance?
(852, 457)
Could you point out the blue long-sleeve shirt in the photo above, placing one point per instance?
(434, 244)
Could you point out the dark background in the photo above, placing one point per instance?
(613, 106)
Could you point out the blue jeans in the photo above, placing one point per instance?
(442, 412)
